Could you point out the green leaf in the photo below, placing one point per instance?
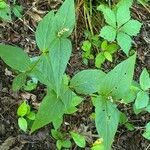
(23, 109)
(15, 57)
(52, 108)
(86, 46)
(59, 144)
(117, 82)
(19, 81)
(3, 5)
(123, 118)
(146, 134)
(59, 56)
(109, 15)
(30, 86)
(141, 100)
(76, 100)
(112, 48)
(31, 115)
(51, 67)
(124, 41)
(22, 124)
(87, 81)
(17, 10)
(145, 80)
(99, 60)
(108, 56)
(65, 19)
(45, 32)
(132, 27)
(123, 12)
(5, 14)
(66, 144)
(129, 126)
(148, 108)
(56, 134)
(78, 139)
(107, 119)
(104, 45)
(108, 33)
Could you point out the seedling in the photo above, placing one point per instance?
(52, 39)
(111, 87)
(62, 139)
(120, 25)
(107, 50)
(78, 139)
(142, 99)
(25, 116)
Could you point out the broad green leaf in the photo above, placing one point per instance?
(76, 100)
(123, 12)
(52, 108)
(22, 124)
(107, 119)
(117, 82)
(131, 95)
(15, 57)
(87, 81)
(65, 19)
(59, 56)
(30, 85)
(23, 109)
(51, 67)
(124, 41)
(78, 139)
(132, 27)
(43, 71)
(45, 32)
(108, 33)
(19, 81)
(99, 60)
(141, 100)
(108, 56)
(145, 80)
(109, 15)
(5, 14)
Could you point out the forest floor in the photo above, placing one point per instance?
(20, 32)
